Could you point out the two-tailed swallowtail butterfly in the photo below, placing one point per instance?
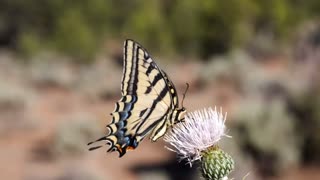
(149, 103)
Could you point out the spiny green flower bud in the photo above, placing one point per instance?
(216, 164)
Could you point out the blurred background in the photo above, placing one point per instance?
(60, 75)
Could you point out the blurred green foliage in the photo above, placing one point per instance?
(79, 28)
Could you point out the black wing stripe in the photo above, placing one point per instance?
(129, 76)
(133, 71)
(153, 83)
(150, 68)
(125, 56)
(172, 90)
(155, 102)
(148, 129)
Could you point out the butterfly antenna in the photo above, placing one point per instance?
(184, 94)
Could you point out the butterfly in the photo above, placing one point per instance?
(149, 103)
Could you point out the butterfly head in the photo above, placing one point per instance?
(180, 113)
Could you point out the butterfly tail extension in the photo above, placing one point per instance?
(97, 143)
(108, 140)
(116, 139)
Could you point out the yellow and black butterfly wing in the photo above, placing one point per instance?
(148, 97)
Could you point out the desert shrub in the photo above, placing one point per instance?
(267, 132)
(100, 79)
(14, 103)
(236, 66)
(48, 69)
(77, 173)
(304, 88)
(72, 135)
(244, 162)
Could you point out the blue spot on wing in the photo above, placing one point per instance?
(124, 115)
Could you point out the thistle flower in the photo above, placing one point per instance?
(196, 139)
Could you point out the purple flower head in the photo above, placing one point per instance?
(200, 130)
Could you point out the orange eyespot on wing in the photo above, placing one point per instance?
(118, 148)
(130, 148)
